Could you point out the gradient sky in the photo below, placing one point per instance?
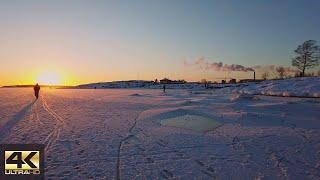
(92, 41)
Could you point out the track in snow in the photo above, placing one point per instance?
(55, 134)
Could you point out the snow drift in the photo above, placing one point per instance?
(294, 87)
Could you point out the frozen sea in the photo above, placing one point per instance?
(180, 134)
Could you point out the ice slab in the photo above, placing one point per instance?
(193, 122)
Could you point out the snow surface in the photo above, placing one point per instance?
(117, 133)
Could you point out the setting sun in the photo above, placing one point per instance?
(49, 78)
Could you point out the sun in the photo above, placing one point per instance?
(49, 78)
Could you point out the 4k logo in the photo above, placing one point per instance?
(22, 162)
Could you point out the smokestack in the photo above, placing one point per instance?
(254, 75)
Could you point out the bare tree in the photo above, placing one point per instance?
(312, 74)
(307, 56)
(281, 72)
(265, 75)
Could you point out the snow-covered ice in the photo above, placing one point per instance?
(117, 133)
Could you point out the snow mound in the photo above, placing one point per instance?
(294, 87)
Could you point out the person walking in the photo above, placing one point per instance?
(164, 88)
(36, 89)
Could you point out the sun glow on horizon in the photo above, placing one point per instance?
(49, 78)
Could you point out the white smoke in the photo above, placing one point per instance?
(205, 65)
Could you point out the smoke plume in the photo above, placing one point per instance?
(205, 65)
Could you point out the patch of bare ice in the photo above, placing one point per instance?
(193, 122)
(235, 96)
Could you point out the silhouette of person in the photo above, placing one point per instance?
(164, 88)
(36, 89)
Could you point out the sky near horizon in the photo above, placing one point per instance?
(95, 41)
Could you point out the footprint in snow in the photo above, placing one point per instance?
(166, 174)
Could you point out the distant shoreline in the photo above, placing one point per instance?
(30, 86)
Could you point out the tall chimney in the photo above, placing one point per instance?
(254, 75)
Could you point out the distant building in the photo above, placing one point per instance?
(250, 80)
(165, 81)
(223, 81)
(233, 81)
(168, 81)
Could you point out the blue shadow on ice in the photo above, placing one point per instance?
(5, 130)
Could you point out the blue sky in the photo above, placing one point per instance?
(115, 40)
